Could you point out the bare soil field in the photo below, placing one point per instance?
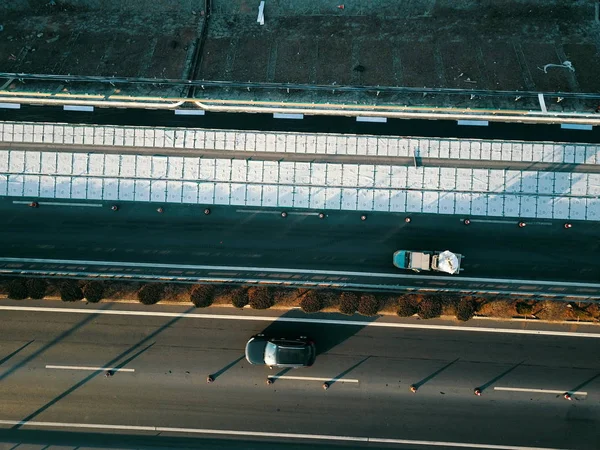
(549, 46)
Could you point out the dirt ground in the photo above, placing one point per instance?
(458, 44)
(463, 45)
(122, 39)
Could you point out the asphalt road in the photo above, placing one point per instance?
(240, 243)
(171, 357)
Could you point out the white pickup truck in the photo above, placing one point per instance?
(445, 261)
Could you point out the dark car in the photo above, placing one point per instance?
(281, 352)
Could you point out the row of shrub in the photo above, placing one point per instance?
(70, 290)
(261, 297)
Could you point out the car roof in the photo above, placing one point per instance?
(292, 354)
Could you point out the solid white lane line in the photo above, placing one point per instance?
(112, 369)
(319, 437)
(356, 323)
(398, 276)
(540, 391)
(285, 377)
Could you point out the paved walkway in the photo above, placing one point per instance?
(174, 139)
(364, 186)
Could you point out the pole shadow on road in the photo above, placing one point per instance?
(16, 352)
(53, 342)
(582, 385)
(129, 353)
(345, 372)
(483, 387)
(430, 377)
(325, 335)
(221, 371)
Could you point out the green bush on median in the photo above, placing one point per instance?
(70, 291)
(348, 303)
(524, 309)
(312, 302)
(17, 289)
(93, 291)
(407, 306)
(151, 294)
(36, 288)
(465, 309)
(260, 297)
(429, 308)
(368, 305)
(202, 296)
(239, 298)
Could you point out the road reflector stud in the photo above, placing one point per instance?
(284, 214)
(363, 217)
(477, 392)
(325, 386)
(408, 220)
(34, 205)
(467, 221)
(522, 224)
(160, 210)
(413, 389)
(568, 225)
(321, 216)
(269, 381)
(207, 211)
(567, 396)
(210, 379)
(114, 208)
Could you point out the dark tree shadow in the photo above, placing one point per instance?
(154, 441)
(6, 358)
(325, 335)
(483, 387)
(428, 378)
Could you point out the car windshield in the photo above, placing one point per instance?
(285, 353)
(270, 354)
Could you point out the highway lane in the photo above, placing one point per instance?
(170, 358)
(261, 238)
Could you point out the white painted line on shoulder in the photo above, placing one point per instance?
(112, 369)
(288, 116)
(286, 377)
(256, 211)
(190, 112)
(576, 126)
(10, 105)
(265, 434)
(542, 103)
(80, 108)
(371, 119)
(539, 391)
(90, 205)
(356, 323)
(300, 271)
(473, 123)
